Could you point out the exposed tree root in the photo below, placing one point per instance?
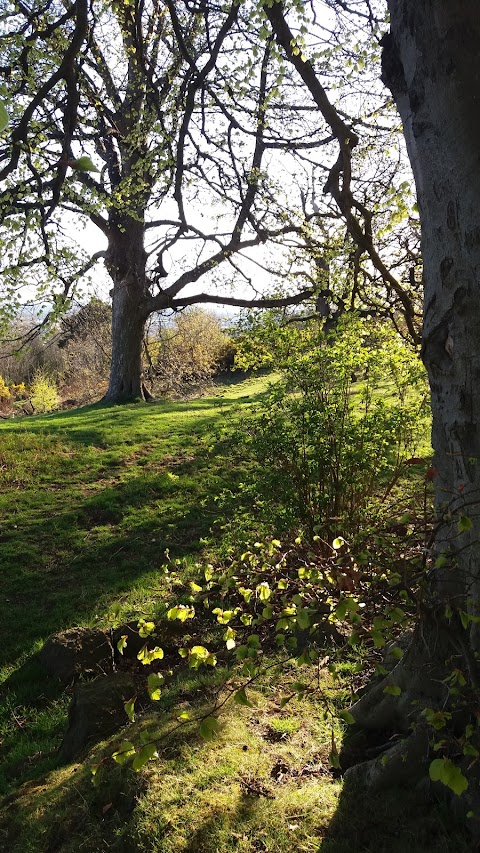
(406, 761)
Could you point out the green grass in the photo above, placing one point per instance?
(91, 499)
(90, 502)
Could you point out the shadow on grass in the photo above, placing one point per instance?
(65, 553)
(398, 820)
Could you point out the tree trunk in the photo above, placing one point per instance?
(125, 262)
(431, 63)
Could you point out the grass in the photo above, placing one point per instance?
(93, 503)
(90, 501)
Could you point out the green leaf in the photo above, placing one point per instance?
(130, 709)
(3, 117)
(209, 728)
(303, 618)
(124, 752)
(147, 656)
(263, 591)
(470, 749)
(181, 612)
(241, 698)
(146, 754)
(184, 716)
(154, 682)
(145, 628)
(83, 164)
(347, 717)
(122, 643)
(338, 543)
(464, 524)
(397, 653)
(392, 690)
(445, 771)
(378, 639)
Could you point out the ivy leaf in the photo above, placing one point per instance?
(209, 728)
(445, 771)
(146, 754)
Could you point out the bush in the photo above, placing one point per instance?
(43, 393)
(332, 435)
(188, 352)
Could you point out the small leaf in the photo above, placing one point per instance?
(130, 709)
(122, 643)
(124, 752)
(338, 543)
(146, 754)
(145, 628)
(303, 618)
(445, 771)
(154, 681)
(209, 728)
(347, 717)
(397, 653)
(184, 716)
(378, 639)
(263, 591)
(241, 698)
(392, 690)
(83, 164)
(464, 524)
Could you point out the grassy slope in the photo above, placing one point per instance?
(90, 500)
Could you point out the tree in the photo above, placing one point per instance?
(197, 125)
(430, 64)
(432, 67)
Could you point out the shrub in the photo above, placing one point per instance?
(43, 393)
(188, 352)
(332, 435)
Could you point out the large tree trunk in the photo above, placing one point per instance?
(431, 63)
(126, 260)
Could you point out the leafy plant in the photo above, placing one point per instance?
(331, 437)
(43, 393)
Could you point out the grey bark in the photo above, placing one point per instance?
(126, 260)
(431, 63)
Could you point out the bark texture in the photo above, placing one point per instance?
(431, 63)
(126, 260)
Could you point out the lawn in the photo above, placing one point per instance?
(94, 503)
